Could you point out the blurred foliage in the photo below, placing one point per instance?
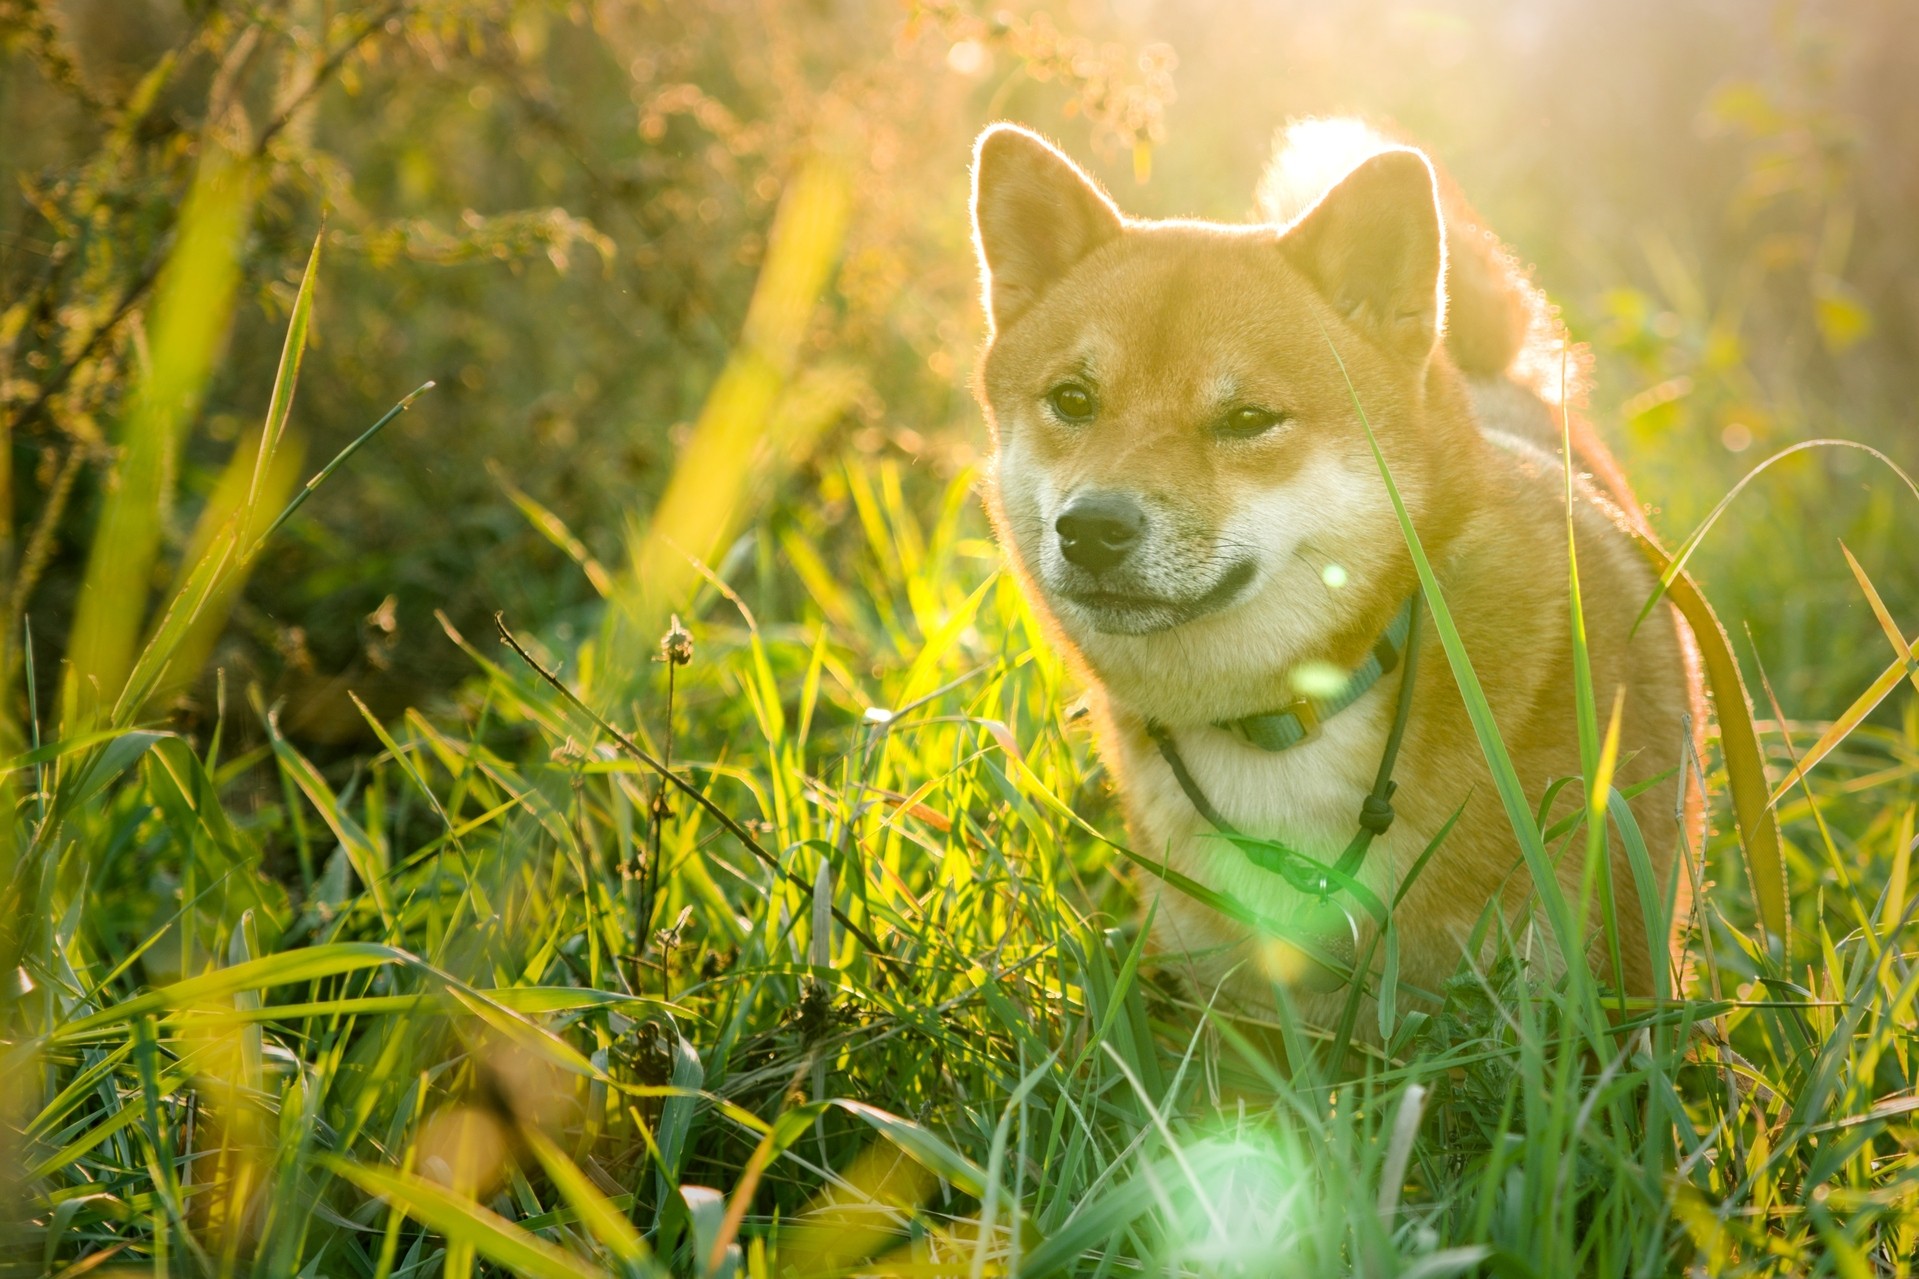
(559, 210)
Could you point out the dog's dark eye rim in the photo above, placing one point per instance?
(1247, 420)
(1073, 401)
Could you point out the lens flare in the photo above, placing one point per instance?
(1241, 1204)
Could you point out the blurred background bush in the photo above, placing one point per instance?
(560, 209)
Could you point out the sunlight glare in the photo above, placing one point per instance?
(1241, 1204)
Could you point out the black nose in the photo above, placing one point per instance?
(1099, 530)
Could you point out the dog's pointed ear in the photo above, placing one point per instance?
(1374, 245)
(1035, 214)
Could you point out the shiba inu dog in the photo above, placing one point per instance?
(1185, 486)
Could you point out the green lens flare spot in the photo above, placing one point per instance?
(1318, 679)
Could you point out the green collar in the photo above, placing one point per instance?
(1299, 720)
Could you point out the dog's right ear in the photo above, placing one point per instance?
(1375, 246)
(1035, 214)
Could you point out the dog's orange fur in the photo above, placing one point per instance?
(1168, 325)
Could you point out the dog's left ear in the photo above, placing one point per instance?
(1374, 246)
(1035, 214)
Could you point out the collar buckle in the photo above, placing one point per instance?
(1306, 711)
(1280, 729)
(1299, 720)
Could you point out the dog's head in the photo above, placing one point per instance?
(1181, 473)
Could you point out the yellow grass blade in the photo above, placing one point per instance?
(1608, 760)
(258, 480)
(1895, 908)
(1842, 727)
(244, 498)
(1745, 767)
(858, 1215)
(554, 529)
(287, 379)
(602, 1220)
(1880, 611)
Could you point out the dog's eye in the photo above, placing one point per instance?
(1245, 422)
(1071, 401)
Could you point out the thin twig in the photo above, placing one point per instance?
(724, 818)
(128, 300)
(649, 902)
(326, 71)
(33, 559)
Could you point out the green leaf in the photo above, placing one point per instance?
(676, 1116)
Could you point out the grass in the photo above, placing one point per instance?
(859, 987)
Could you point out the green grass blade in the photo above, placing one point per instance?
(1672, 568)
(193, 302)
(1505, 780)
(936, 1156)
(340, 459)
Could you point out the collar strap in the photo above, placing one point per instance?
(1298, 720)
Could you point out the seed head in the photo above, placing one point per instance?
(676, 646)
